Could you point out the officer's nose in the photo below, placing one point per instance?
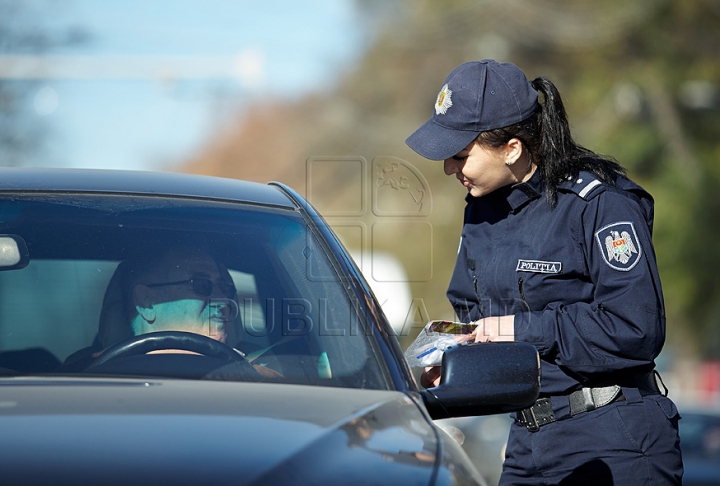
(451, 166)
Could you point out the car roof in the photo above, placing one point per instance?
(103, 181)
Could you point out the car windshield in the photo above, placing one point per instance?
(105, 272)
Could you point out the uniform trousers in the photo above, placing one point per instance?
(633, 442)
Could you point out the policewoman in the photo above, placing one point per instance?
(556, 251)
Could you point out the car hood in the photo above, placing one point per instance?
(77, 431)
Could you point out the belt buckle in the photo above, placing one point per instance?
(529, 419)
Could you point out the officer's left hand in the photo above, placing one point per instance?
(498, 328)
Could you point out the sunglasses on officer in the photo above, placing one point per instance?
(203, 286)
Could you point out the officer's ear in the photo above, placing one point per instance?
(513, 151)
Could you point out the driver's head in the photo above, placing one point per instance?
(183, 289)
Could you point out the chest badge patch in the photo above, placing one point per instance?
(619, 245)
(537, 266)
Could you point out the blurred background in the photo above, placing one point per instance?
(321, 95)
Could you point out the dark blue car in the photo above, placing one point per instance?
(178, 329)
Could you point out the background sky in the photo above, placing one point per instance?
(152, 79)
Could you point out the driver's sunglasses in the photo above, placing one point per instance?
(203, 286)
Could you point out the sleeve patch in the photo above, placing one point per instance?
(619, 245)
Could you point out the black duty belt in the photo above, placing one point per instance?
(583, 400)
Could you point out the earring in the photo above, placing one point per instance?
(509, 163)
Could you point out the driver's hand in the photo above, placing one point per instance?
(173, 351)
(267, 372)
(430, 377)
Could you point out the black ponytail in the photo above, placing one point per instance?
(546, 135)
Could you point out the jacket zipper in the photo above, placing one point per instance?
(522, 293)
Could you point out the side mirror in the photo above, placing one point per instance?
(485, 379)
(13, 253)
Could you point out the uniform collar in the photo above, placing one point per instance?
(516, 195)
(524, 192)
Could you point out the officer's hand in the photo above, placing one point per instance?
(499, 328)
(430, 377)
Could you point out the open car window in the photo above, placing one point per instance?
(289, 312)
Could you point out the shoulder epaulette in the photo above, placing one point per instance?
(585, 185)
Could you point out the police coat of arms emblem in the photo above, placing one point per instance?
(619, 245)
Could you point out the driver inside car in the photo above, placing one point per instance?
(184, 289)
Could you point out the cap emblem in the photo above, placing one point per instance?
(444, 100)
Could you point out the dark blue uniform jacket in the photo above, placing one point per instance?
(580, 278)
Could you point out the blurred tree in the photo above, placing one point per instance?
(22, 33)
(640, 79)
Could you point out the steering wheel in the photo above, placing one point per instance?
(186, 341)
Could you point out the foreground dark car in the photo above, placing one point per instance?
(294, 377)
